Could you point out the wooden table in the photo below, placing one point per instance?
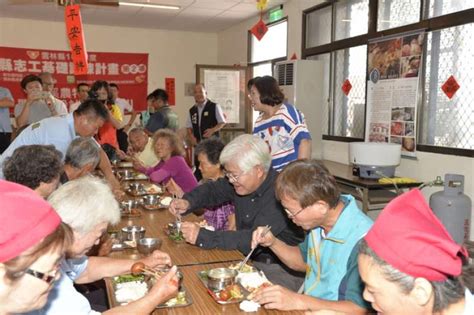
(203, 303)
(181, 253)
(369, 191)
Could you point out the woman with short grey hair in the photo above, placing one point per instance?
(82, 157)
(88, 205)
(247, 151)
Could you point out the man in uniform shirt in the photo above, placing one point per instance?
(60, 131)
(205, 119)
(6, 102)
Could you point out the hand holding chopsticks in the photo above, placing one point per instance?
(261, 232)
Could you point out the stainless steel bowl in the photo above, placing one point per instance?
(124, 174)
(136, 187)
(151, 201)
(127, 205)
(133, 233)
(219, 278)
(147, 245)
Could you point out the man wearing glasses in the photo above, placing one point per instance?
(334, 226)
(250, 186)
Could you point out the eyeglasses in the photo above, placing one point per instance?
(46, 277)
(232, 177)
(292, 215)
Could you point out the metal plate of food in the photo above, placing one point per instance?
(128, 288)
(143, 189)
(229, 294)
(129, 209)
(130, 175)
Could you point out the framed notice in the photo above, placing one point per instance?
(226, 86)
(392, 89)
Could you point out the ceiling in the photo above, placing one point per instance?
(194, 15)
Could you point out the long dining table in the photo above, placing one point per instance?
(190, 260)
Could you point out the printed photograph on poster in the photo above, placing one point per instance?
(392, 89)
(223, 87)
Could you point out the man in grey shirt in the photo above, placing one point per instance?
(39, 104)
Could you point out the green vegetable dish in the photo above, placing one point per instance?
(176, 236)
(128, 278)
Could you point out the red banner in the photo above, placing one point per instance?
(74, 31)
(128, 70)
(171, 90)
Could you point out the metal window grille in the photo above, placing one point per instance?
(395, 13)
(448, 122)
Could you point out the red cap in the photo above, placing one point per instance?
(408, 236)
(25, 219)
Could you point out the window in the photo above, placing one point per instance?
(337, 32)
(449, 53)
(352, 18)
(273, 45)
(395, 13)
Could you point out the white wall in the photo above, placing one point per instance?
(232, 44)
(171, 53)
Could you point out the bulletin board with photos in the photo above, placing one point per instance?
(227, 86)
(393, 89)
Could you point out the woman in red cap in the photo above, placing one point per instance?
(411, 265)
(32, 242)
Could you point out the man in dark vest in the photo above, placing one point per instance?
(204, 121)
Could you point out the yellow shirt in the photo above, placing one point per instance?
(147, 156)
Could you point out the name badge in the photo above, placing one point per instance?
(206, 114)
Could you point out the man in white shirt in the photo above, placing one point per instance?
(82, 93)
(48, 86)
(124, 106)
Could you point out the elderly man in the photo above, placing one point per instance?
(82, 93)
(163, 117)
(88, 206)
(411, 265)
(141, 148)
(82, 157)
(250, 187)
(60, 131)
(35, 166)
(39, 104)
(334, 226)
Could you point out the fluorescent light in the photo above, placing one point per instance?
(150, 5)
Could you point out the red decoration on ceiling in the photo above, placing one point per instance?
(259, 29)
(346, 87)
(75, 34)
(294, 57)
(450, 87)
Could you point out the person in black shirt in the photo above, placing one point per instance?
(250, 187)
(163, 117)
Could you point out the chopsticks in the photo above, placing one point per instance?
(264, 232)
(152, 272)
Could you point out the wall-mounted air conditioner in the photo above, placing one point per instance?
(302, 83)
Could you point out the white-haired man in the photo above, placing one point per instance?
(88, 206)
(82, 157)
(250, 187)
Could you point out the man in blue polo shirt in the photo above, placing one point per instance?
(61, 130)
(334, 226)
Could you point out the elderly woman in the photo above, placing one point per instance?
(281, 125)
(35, 166)
(411, 265)
(82, 157)
(88, 206)
(29, 249)
(169, 149)
(220, 217)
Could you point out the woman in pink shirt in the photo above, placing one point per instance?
(170, 150)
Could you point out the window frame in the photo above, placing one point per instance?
(274, 60)
(428, 24)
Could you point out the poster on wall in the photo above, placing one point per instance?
(223, 87)
(128, 70)
(392, 90)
